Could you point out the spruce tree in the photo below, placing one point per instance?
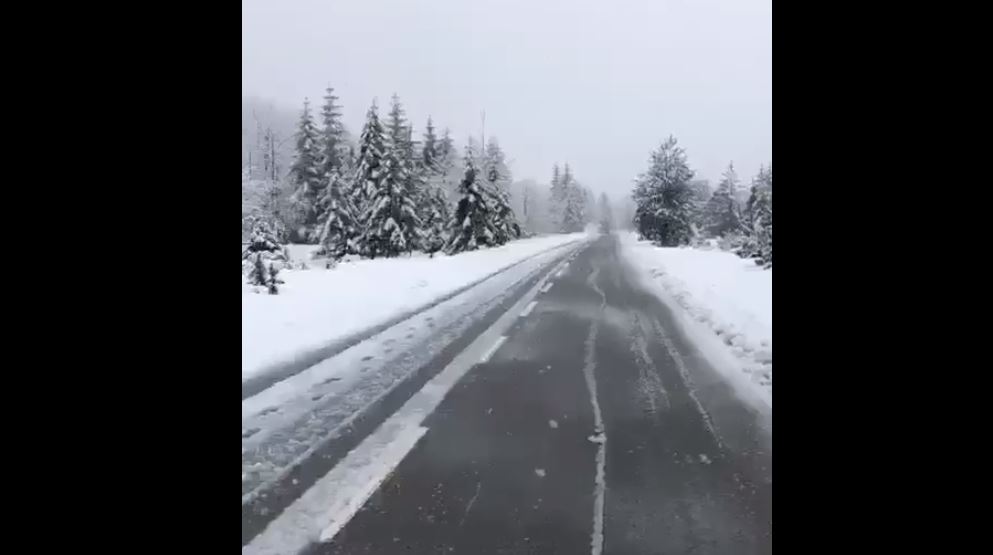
(306, 176)
(339, 229)
(758, 220)
(436, 218)
(369, 174)
(606, 214)
(470, 225)
(664, 201)
(574, 201)
(448, 165)
(722, 214)
(429, 151)
(263, 252)
(333, 147)
(556, 200)
(391, 221)
(700, 189)
(498, 179)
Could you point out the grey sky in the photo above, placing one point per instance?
(595, 83)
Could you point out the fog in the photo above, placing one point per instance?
(595, 84)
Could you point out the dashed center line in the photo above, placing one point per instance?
(493, 349)
(546, 287)
(527, 310)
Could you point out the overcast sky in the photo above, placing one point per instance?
(597, 84)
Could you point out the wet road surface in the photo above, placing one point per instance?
(595, 427)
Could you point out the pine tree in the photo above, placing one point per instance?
(470, 225)
(556, 200)
(264, 240)
(758, 220)
(701, 193)
(429, 152)
(262, 255)
(588, 204)
(498, 179)
(722, 214)
(333, 147)
(369, 174)
(664, 201)
(339, 229)
(436, 218)
(448, 167)
(391, 221)
(306, 176)
(606, 214)
(574, 209)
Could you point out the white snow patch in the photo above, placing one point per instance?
(553, 424)
(722, 301)
(540, 472)
(317, 306)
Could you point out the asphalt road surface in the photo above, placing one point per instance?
(595, 427)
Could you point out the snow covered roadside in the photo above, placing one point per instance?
(289, 421)
(724, 303)
(316, 307)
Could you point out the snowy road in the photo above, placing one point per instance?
(573, 417)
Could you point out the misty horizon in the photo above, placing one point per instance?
(591, 85)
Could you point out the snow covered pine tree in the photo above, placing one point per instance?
(556, 200)
(606, 214)
(721, 212)
(664, 201)
(262, 255)
(573, 204)
(369, 174)
(471, 224)
(758, 220)
(337, 215)
(434, 200)
(306, 178)
(504, 221)
(391, 221)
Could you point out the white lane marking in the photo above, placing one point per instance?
(528, 309)
(496, 345)
(546, 287)
(337, 496)
(471, 502)
(321, 512)
(600, 482)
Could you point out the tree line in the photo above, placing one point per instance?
(388, 193)
(671, 209)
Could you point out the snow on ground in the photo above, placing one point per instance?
(318, 306)
(726, 304)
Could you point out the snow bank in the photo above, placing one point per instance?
(728, 301)
(316, 307)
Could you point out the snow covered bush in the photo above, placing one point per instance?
(263, 245)
(263, 273)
